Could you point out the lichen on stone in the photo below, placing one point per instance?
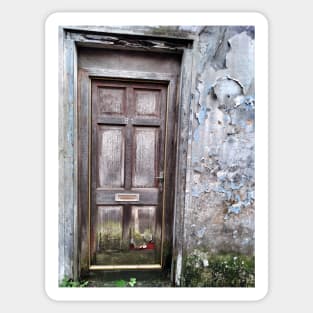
(202, 269)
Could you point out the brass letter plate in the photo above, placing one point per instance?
(127, 197)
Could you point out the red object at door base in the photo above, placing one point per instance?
(149, 246)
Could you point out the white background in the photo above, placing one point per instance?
(22, 156)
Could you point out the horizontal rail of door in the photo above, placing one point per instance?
(124, 121)
(149, 197)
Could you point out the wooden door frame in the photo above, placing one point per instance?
(69, 39)
(84, 79)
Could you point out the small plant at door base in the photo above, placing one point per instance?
(132, 282)
(68, 282)
(123, 283)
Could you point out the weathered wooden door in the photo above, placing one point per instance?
(127, 121)
(128, 145)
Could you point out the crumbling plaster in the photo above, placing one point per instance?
(220, 217)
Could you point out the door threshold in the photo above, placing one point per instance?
(144, 278)
(125, 267)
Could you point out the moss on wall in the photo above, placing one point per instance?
(224, 270)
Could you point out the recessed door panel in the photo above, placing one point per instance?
(145, 156)
(111, 151)
(108, 229)
(143, 222)
(147, 103)
(111, 101)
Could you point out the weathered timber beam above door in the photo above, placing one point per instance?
(121, 41)
(163, 32)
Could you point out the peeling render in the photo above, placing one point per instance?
(221, 216)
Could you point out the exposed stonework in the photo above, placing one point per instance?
(221, 215)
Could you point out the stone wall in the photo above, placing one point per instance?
(221, 215)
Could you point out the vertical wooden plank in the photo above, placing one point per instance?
(163, 206)
(61, 156)
(183, 162)
(126, 225)
(68, 158)
(129, 109)
(128, 138)
(76, 250)
(168, 97)
(93, 171)
(83, 169)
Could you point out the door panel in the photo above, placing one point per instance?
(145, 167)
(111, 149)
(127, 162)
(111, 101)
(109, 228)
(147, 103)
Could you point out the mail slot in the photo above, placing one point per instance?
(127, 197)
